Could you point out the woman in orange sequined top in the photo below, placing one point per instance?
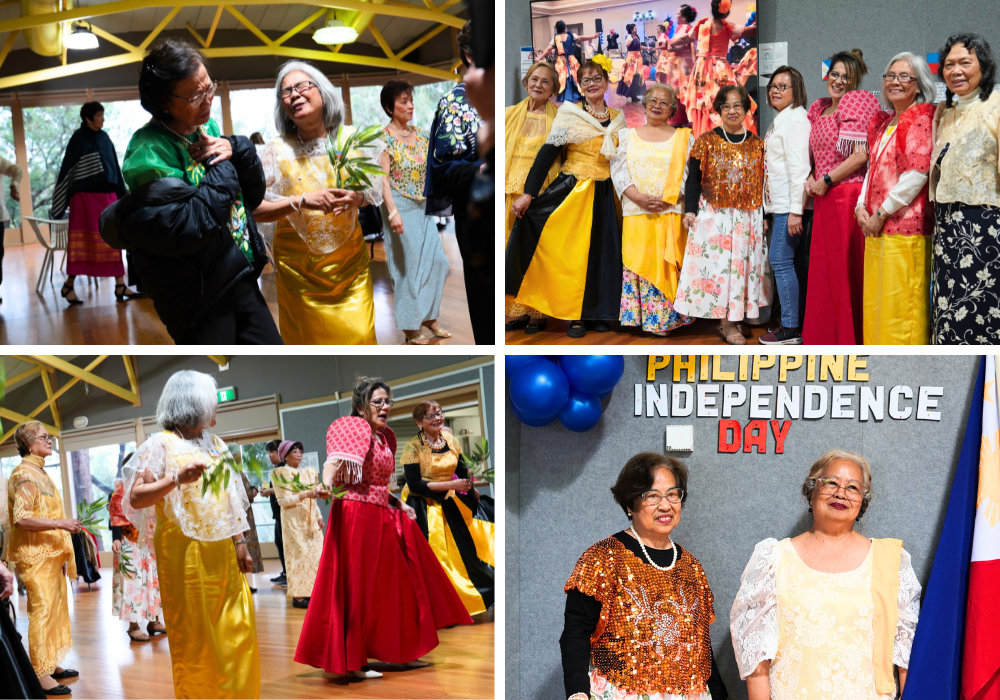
(638, 607)
(725, 271)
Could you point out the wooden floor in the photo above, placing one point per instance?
(701, 332)
(27, 318)
(112, 666)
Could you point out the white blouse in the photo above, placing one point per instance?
(787, 161)
(645, 165)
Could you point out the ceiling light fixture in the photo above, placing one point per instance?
(81, 38)
(335, 32)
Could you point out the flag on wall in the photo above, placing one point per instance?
(935, 670)
(826, 69)
(933, 61)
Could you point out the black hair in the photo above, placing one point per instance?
(716, 14)
(636, 478)
(364, 388)
(560, 26)
(798, 84)
(987, 64)
(464, 40)
(273, 446)
(167, 62)
(629, 27)
(590, 65)
(854, 63)
(256, 138)
(723, 95)
(391, 92)
(90, 110)
(688, 13)
(662, 28)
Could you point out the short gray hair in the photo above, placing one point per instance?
(189, 399)
(333, 106)
(661, 86)
(838, 455)
(926, 90)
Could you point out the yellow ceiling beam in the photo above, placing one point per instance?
(194, 32)
(66, 387)
(21, 377)
(108, 36)
(249, 25)
(430, 5)
(220, 360)
(71, 69)
(159, 28)
(11, 38)
(54, 406)
(21, 418)
(299, 27)
(111, 8)
(422, 40)
(131, 369)
(381, 41)
(445, 5)
(215, 25)
(89, 377)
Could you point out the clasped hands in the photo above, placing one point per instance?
(331, 201)
(871, 225)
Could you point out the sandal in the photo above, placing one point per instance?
(745, 330)
(156, 628)
(537, 325)
(124, 295)
(138, 636)
(732, 335)
(439, 332)
(661, 334)
(419, 339)
(67, 289)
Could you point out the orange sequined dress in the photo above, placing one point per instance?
(653, 634)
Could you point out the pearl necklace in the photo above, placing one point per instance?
(735, 143)
(187, 143)
(599, 116)
(642, 546)
(436, 444)
(401, 134)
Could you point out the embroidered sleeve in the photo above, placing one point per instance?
(592, 572)
(25, 493)
(409, 454)
(909, 610)
(816, 109)
(854, 113)
(753, 619)
(619, 165)
(914, 142)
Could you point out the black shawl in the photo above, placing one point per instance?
(90, 165)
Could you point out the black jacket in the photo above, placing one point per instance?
(180, 240)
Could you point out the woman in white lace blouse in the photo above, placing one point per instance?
(830, 608)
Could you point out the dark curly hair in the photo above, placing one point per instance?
(167, 62)
(364, 387)
(391, 92)
(688, 13)
(716, 14)
(464, 40)
(636, 478)
(90, 110)
(723, 95)
(987, 64)
(854, 64)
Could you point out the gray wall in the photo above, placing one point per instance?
(558, 490)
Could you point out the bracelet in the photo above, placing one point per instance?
(177, 482)
(291, 203)
(239, 542)
(393, 213)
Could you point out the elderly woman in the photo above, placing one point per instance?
(41, 547)
(526, 127)
(380, 592)
(626, 586)
(455, 519)
(786, 149)
(187, 221)
(205, 594)
(135, 584)
(649, 171)
(18, 679)
(417, 263)
(89, 180)
(893, 210)
(830, 603)
(965, 189)
(301, 522)
(564, 253)
(838, 141)
(324, 288)
(725, 273)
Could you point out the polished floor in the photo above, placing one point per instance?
(28, 318)
(112, 666)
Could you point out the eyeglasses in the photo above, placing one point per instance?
(730, 108)
(434, 416)
(834, 77)
(596, 80)
(299, 89)
(651, 499)
(828, 486)
(379, 403)
(903, 78)
(47, 438)
(780, 87)
(201, 96)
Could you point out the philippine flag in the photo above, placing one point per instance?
(933, 60)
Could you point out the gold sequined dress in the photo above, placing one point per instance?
(725, 274)
(323, 298)
(301, 532)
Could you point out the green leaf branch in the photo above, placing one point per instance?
(478, 462)
(89, 515)
(352, 170)
(296, 485)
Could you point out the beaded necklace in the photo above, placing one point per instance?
(673, 546)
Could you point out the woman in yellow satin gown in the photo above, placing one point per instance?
(454, 517)
(325, 291)
(204, 592)
(41, 547)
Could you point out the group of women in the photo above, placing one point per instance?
(827, 611)
(386, 576)
(856, 193)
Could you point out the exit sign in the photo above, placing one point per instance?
(227, 393)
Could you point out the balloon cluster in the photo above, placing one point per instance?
(569, 387)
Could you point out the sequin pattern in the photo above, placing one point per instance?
(732, 174)
(653, 636)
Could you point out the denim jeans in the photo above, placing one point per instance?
(789, 256)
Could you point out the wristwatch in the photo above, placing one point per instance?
(828, 180)
(879, 214)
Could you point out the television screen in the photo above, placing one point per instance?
(646, 42)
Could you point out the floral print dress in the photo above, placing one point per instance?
(135, 585)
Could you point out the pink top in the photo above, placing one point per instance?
(348, 439)
(713, 44)
(833, 137)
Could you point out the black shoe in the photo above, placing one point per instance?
(279, 577)
(304, 603)
(782, 336)
(516, 324)
(65, 292)
(252, 590)
(59, 690)
(125, 295)
(577, 329)
(536, 326)
(65, 673)
(601, 327)
(283, 583)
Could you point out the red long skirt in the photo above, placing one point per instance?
(835, 292)
(380, 592)
(88, 254)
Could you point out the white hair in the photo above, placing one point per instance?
(926, 90)
(333, 106)
(188, 400)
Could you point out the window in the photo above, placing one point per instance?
(253, 110)
(94, 471)
(256, 453)
(366, 108)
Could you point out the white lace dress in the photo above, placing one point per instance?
(816, 628)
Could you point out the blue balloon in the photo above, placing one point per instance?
(605, 395)
(538, 389)
(533, 422)
(582, 412)
(593, 374)
(514, 361)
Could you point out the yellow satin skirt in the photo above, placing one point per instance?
(49, 636)
(209, 612)
(323, 299)
(653, 248)
(512, 307)
(897, 290)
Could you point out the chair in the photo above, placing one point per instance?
(59, 240)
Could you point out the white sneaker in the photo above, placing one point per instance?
(366, 674)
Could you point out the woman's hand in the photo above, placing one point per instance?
(650, 203)
(6, 582)
(408, 511)
(345, 199)
(688, 220)
(213, 150)
(243, 558)
(462, 485)
(794, 224)
(521, 205)
(191, 472)
(252, 494)
(72, 526)
(116, 546)
(396, 223)
(819, 188)
(809, 184)
(15, 194)
(871, 226)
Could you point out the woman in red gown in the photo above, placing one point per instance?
(380, 592)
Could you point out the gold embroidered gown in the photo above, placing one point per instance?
(39, 557)
(301, 532)
(206, 598)
(323, 298)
